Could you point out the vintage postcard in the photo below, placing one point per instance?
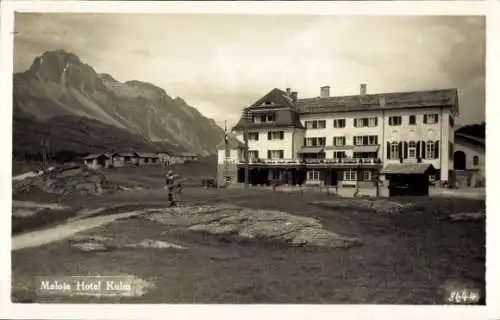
(167, 155)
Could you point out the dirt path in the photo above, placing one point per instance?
(41, 237)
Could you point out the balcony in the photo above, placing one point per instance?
(340, 161)
(272, 161)
(360, 161)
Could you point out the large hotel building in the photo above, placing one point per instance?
(341, 140)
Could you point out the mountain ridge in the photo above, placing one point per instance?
(58, 84)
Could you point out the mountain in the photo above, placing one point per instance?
(73, 106)
(76, 135)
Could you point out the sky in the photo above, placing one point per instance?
(221, 63)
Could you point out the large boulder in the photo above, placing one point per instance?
(253, 224)
(77, 180)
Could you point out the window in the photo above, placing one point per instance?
(365, 140)
(321, 141)
(431, 118)
(339, 155)
(315, 124)
(315, 142)
(339, 123)
(430, 150)
(475, 160)
(412, 150)
(313, 175)
(253, 136)
(394, 153)
(358, 140)
(365, 122)
(275, 174)
(412, 120)
(350, 175)
(275, 135)
(253, 154)
(275, 154)
(395, 121)
(372, 122)
(367, 175)
(263, 118)
(339, 141)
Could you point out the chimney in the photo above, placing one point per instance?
(362, 89)
(289, 91)
(294, 96)
(325, 91)
(382, 101)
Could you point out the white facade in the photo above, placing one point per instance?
(293, 139)
(475, 154)
(290, 144)
(235, 155)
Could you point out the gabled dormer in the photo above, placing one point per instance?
(275, 109)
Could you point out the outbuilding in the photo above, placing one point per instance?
(97, 161)
(408, 179)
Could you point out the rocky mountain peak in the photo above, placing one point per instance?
(105, 77)
(63, 67)
(140, 85)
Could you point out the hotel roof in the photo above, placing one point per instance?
(379, 101)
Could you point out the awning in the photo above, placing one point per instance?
(409, 168)
(365, 148)
(311, 150)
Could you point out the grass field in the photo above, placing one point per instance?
(405, 258)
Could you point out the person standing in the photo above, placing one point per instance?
(171, 183)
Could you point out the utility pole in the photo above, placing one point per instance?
(226, 141)
(44, 154)
(359, 169)
(376, 180)
(245, 137)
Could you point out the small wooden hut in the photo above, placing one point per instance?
(408, 179)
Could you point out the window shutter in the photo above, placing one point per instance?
(340, 175)
(400, 149)
(436, 149)
(418, 150)
(388, 150)
(425, 118)
(356, 123)
(282, 154)
(257, 137)
(359, 175)
(405, 150)
(269, 154)
(376, 122)
(282, 135)
(437, 118)
(423, 149)
(305, 142)
(269, 135)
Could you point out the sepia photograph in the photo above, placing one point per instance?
(248, 159)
